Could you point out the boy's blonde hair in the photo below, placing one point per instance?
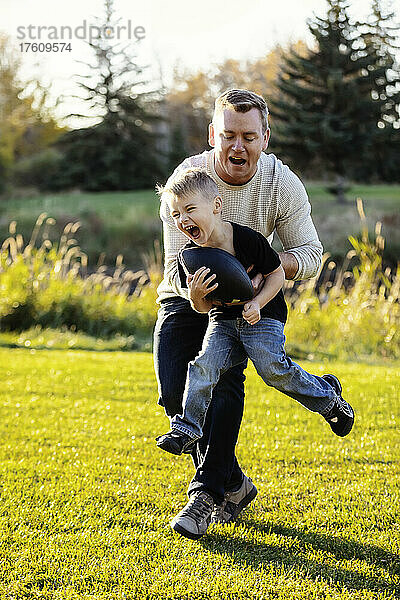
(190, 181)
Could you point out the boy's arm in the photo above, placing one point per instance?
(273, 283)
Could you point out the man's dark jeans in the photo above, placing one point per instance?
(178, 338)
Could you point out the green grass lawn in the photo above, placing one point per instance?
(111, 222)
(335, 223)
(86, 497)
(145, 202)
(128, 222)
(114, 205)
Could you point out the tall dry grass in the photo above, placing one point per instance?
(48, 284)
(349, 312)
(352, 311)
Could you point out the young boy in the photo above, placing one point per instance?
(254, 330)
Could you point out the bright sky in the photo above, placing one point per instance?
(176, 32)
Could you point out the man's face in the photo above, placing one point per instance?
(238, 140)
(196, 216)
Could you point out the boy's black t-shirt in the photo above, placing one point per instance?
(251, 248)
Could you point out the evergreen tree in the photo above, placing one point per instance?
(120, 151)
(326, 109)
(379, 36)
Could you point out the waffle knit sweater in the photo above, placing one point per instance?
(273, 200)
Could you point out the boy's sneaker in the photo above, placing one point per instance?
(341, 415)
(234, 502)
(193, 520)
(176, 442)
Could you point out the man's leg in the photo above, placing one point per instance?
(218, 470)
(178, 338)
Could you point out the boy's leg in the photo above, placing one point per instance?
(264, 343)
(221, 349)
(178, 338)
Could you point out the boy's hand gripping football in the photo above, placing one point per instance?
(200, 284)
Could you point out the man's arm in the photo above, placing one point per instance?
(302, 251)
(290, 264)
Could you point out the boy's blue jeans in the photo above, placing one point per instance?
(178, 339)
(228, 343)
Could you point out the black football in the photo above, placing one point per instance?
(234, 284)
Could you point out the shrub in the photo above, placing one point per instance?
(38, 170)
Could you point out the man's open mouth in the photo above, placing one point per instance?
(193, 231)
(237, 161)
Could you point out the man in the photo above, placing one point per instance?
(262, 193)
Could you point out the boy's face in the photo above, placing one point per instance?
(196, 216)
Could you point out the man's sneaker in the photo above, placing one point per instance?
(193, 520)
(176, 442)
(234, 502)
(341, 415)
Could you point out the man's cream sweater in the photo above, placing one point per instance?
(274, 199)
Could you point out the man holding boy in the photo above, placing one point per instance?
(257, 191)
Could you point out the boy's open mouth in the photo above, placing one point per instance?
(193, 231)
(237, 161)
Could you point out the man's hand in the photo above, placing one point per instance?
(257, 281)
(289, 264)
(251, 312)
(200, 285)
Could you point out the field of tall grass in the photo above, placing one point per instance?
(47, 286)
(351, 312)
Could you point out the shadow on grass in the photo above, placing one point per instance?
(257, 554)
(138, 348)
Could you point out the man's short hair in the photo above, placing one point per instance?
(242, 101)
(190, 181)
